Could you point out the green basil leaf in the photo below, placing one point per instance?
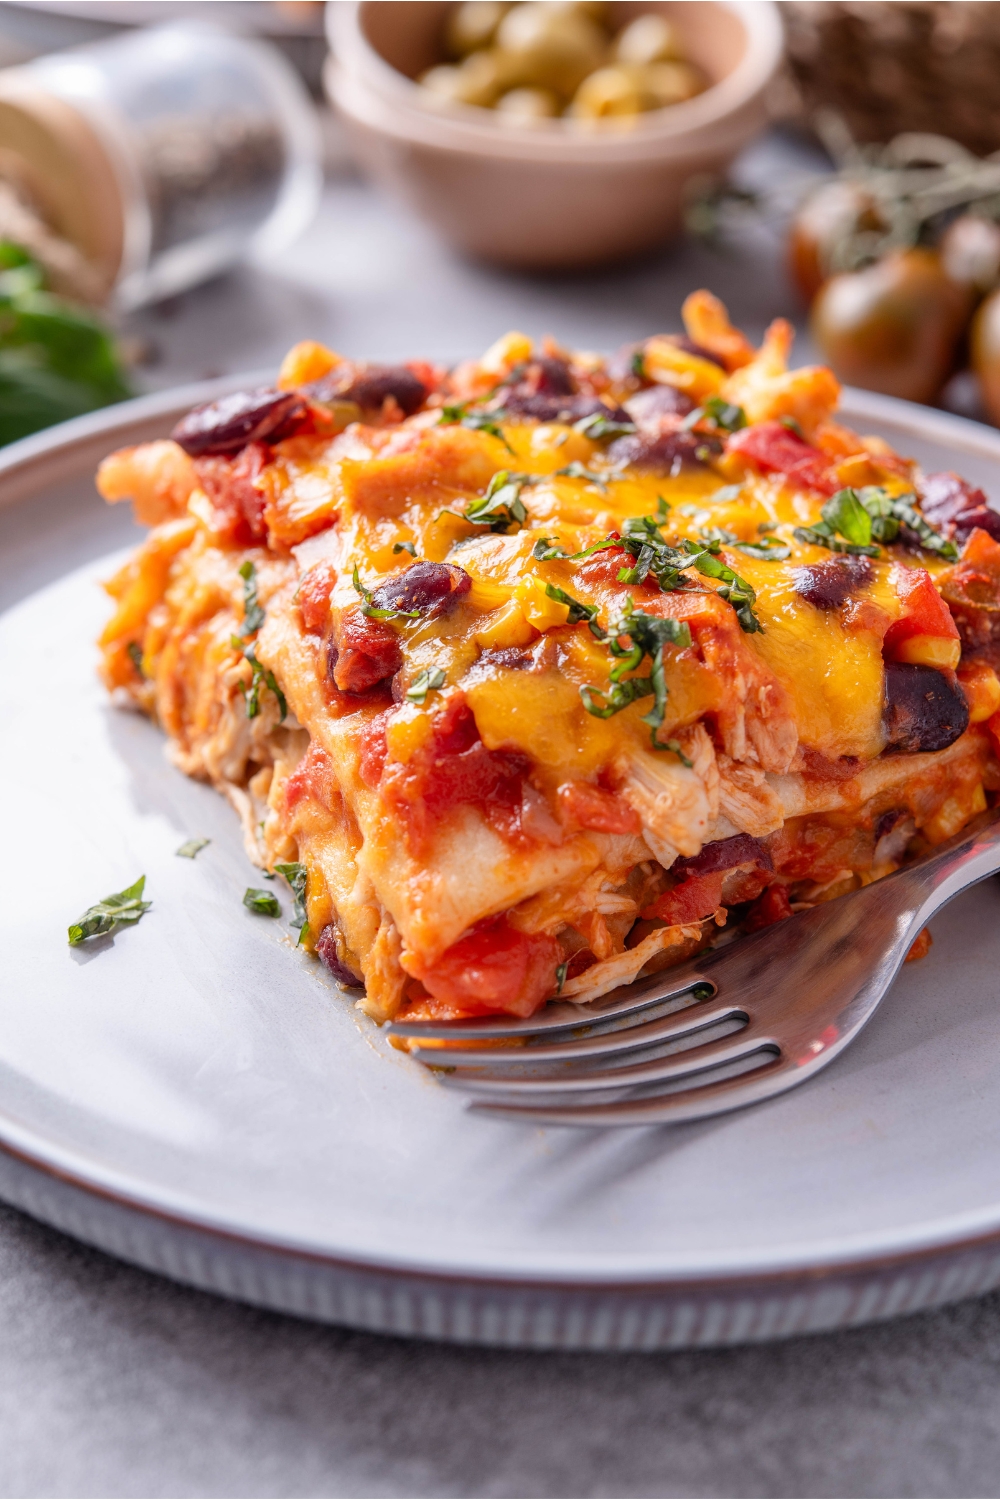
(427, 681)
(261, 676)
(253, 614)
(192, 847)
(812, 536)
(121, 908)
(599, 426)
(264, 903)
(846, 514)
(297, 877)
(577, 611)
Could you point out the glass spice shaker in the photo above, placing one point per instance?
(163, 156)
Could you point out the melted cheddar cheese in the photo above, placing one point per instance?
(433, 715)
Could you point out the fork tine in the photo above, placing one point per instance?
(644, 1034)
(714, 1054)
(774, 1076)
(563, 1015)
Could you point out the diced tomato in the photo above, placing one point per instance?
(312, 777)
(775, 448)
(494, 968)
(236, 501)
(313, 597)
(374, 748)
(454, 768)
(691, 900)
(585, 806)
(491, 778)
(361, 651)
(771, 906)
(926, 635)
(430, 376)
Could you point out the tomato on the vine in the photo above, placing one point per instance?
(894, 326)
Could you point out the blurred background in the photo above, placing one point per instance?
(188, 189)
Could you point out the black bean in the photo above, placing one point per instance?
(432, 588)
(663, 453)
(924, 709)
(982, 516)
(375, 385)
(225, 426)
(326, 949)
(550, 376)
(828, 584)
(646, 408)
(944, 496)
(725, 854)
(544, 407)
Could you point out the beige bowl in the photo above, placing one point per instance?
(552, 194)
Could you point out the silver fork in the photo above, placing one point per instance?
(733, 1026)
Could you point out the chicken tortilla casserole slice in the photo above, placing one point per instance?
(548, 667)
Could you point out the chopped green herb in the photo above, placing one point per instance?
(262, 902)
(577, 611)
(889, 513)
(296, 876)
(722, 415)
(561, 970)
(427, 681)
(847, 516)
(373, 613)
(601, 425)
(606, 705)
(768, 549)
(637, 364)
(121, 909)
(398, 547)
(646, 635)
(479, 421)
(260, 675)
(734, 588)
(821, 535)
(191, 847)
(135, 652)
(501, 507)
(577, 470)
(547, 549)
(253, 614)
(863, 517)
(792, 426)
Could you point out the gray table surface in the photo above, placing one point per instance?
(114, 1382)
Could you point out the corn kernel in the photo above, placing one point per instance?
(539, 610)
(485, 594)
(981, 687)
(510, 350)
(953, 814)
(939, 651)
(306, 362)
(507, 628)
(407, 731)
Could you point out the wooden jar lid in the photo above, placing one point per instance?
(49, 148)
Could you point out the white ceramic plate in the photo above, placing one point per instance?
(196, 1096)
